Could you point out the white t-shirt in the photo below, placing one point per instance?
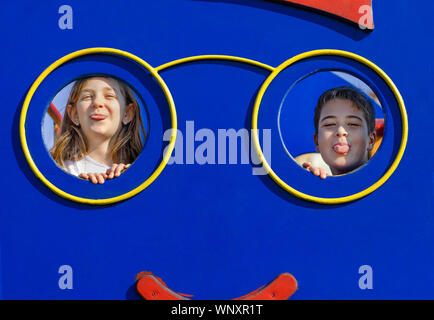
(85, 165)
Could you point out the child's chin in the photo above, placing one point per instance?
(340, 163)
(343, 169)
(340, 168)
(101, 132)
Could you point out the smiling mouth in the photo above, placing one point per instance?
(341, 148)
(98, 117)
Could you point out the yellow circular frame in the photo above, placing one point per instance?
(58, 63)
(275, 72)
(345, 54)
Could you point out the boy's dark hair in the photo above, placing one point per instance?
(347, 93)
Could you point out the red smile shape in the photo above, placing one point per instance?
(151, 287)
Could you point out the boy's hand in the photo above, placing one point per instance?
(319, 172)
(113, 172)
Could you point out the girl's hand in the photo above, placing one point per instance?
(113, 172)
(116, 170)
(94, 177)
(319, 172)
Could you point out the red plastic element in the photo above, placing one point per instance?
(352, 10)
(379, 127)
(281, 288)
(151, 287)
(54, 113)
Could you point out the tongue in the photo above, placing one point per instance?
(98, 117)
(341, 149)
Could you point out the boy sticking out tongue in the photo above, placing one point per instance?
(344, 131)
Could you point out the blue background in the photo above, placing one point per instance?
(217, 231)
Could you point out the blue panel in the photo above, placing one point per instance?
(217, 231)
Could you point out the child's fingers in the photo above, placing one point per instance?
(319, 172)
(306, 165)
(111, 171)
(115, 170)
(83, 176)
(119, 169)
(100, 178)
(96, 178)
(92, 178)
(125, 167)
(323, 174)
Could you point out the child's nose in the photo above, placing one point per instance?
(341, 132)
(98, 101)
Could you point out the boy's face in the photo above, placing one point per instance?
(343, 139)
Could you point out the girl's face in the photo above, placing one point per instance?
(100, 109)
(343, 139)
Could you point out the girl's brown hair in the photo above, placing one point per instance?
(126, 144)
